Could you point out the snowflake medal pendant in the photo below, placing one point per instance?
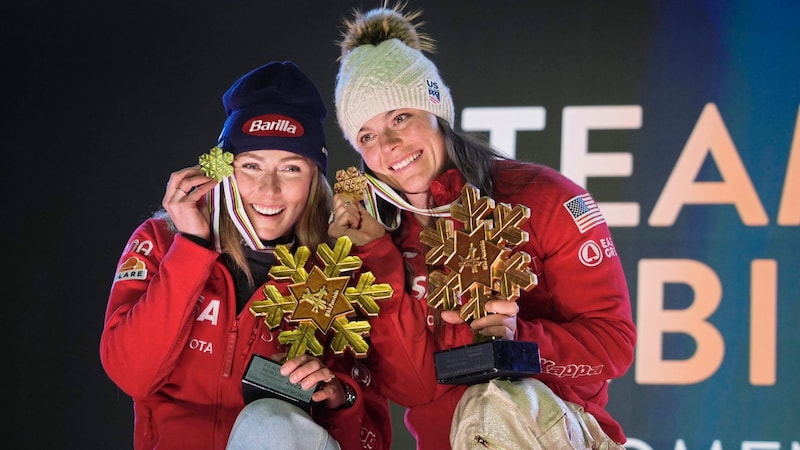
(318, 307)
(480, 265)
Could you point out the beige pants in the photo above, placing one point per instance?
(523, 415)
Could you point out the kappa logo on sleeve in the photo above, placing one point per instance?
(584, 212)
(570, 370)
(132, 269)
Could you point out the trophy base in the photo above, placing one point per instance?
(262, 379)
(484, 361)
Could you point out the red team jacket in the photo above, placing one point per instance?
(579, 313)
(173, 342)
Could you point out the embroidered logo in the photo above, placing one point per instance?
(584, 212)
(144, 247)
(569, 370)
(273, 125)
(369, 439)
(590, 254)
(434, 96)
(132, 269)
(608, 247)
(361, 374)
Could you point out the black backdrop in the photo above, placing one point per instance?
(102, 100)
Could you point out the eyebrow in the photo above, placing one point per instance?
(385, 116)
(293, 157)
(290, 157)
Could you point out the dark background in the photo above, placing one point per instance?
(103, 100)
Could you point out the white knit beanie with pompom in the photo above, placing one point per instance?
(383, 69)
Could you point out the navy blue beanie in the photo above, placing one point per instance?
(275, 107)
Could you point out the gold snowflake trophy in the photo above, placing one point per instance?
(479, 265)
(319, 306)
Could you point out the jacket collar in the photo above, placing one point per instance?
(446, 188)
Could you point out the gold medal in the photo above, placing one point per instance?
(216, 164)
(350, 181)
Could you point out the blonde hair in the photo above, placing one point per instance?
(310, 230)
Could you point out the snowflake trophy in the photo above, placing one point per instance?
(480, 265)
(320, 300)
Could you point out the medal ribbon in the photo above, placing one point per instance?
(233, 201)
(378, 187)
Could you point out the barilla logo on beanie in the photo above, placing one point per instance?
(273, 125)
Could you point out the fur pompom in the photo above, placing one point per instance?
(381, 24)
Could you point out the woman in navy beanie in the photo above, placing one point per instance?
(179, 331)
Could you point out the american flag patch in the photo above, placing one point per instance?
(585, 212)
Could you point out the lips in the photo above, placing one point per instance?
(267, 211)
(405, 161)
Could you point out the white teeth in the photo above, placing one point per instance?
(267, 211)
(406, 161)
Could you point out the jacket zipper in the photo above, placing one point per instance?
(230, 349)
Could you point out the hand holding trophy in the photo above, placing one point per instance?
(319, 304)
(478, 267)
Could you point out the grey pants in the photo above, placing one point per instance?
(271, 424)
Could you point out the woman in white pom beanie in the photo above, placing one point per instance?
(394, 108)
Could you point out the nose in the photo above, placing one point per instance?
(389, 141)
(269, 183)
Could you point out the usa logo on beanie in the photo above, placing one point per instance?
(433, 92)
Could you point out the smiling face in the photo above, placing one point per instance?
(274, 186)
(404, 148)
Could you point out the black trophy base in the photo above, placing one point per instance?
(263, 379)
(484, 361)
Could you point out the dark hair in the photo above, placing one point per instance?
(469, 154)
(472, 156)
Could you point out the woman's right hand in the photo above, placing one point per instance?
(185, 201)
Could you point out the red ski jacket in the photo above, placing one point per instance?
(173, 342)
(579, 313)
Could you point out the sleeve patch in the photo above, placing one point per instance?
(585, 212)
(132, 269)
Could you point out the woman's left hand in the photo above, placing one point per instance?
(501, 322)
(308, 371)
